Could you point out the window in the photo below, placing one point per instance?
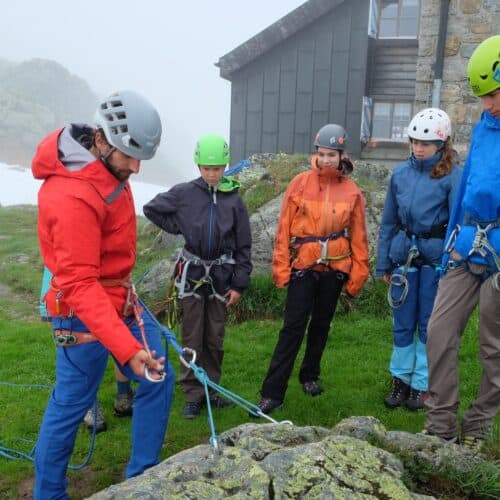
(399, 18)
(391, 119)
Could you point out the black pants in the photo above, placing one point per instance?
(314, 295)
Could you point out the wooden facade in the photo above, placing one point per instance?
(326, 62)
(316, 75)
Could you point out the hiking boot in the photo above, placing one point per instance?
(123, 404)
(96, 419)
(416, 399)
(268, 405)
(399, 394)
(220, 402)
(312, 388)
(472, 443)
(191, 409)
(451, 439)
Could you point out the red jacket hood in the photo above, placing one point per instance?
(62, 155)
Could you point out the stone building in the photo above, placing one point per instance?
(468, 23)
(367, 64)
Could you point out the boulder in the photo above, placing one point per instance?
(279, 460)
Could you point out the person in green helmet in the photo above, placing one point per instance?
(472, 267)
(213, 268)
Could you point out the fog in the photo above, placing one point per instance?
(18, 187)
(164, 49)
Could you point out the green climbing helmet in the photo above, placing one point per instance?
(483, 70)
(212, 150)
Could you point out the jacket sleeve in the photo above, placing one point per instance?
(388, 228)
(75, 232)
(455, 179)
(281, 267)
(242, 254)
(162, 209)
(359, 248)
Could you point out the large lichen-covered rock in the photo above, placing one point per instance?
(274, 461)
(338, 466)
(197, 473)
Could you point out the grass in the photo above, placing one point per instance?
(354, 373)
(278, 175)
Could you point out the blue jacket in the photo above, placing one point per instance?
(478, 197)
(415, 202)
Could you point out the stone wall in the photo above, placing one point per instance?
(469, 23)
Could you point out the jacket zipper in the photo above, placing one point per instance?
(210, 223)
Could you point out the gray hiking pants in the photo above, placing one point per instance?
(203, 322)
(458, 293)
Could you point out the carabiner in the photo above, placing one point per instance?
(398, 280)
(193, 354)
(147, 376)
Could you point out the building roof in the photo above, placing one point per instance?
(273, 35)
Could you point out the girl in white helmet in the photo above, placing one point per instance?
(410, 246)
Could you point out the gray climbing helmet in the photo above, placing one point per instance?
(130, 124)
(331, 136)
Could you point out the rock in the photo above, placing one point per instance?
(278, 461)
(156, 278)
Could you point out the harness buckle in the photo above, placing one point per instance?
(66, 339)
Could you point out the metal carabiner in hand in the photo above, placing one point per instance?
(147, 376)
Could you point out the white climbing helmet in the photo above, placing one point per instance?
(430, 124)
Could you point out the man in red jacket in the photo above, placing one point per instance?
(87, 235)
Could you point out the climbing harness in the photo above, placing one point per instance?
(436, 231)
(398, 280)
(324, 258)
(480, 246)
(187, 259)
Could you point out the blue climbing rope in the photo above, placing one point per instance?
(13, 454)
(203, 378)
(236, 169)
(198, 372)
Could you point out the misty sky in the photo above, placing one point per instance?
(164, 49)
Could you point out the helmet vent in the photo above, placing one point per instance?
(118, 130)
(134, 144)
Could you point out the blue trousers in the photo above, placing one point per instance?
(409, 357)
(79, 370)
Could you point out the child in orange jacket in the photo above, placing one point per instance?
(320, 247)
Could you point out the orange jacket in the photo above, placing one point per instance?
(317, 206)
(86, 238)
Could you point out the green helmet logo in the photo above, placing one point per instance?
(483, 70)
(212, 150)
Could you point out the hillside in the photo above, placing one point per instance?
(39, 96)
(36, 97)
